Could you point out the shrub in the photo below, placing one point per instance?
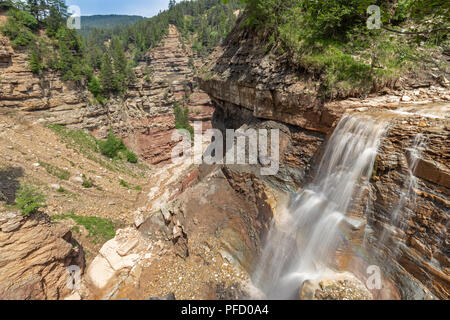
(94, 86)
(29, 200)
(182, 119)
(35, 63)
(131, 157)
(87, 183)
(111, 146)
(125, 184)
(98, 228)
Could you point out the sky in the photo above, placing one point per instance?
(146, 8)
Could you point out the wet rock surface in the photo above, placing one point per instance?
(248, 87)
(409, 222)
(347, 289)
(34, 257)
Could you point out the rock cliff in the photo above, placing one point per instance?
(143, 117)
(34, 258)
(250, 88)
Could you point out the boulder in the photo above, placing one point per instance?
(337, 287)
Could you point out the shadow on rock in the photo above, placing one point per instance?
(9, 183)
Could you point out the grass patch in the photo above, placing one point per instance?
(99, 229)
(29, 199)
(76, 139)
(55, 171)
(125, 184)
(87, 182)
(96, 150)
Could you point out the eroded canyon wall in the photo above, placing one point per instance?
(144, 117)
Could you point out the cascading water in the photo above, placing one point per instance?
(407, 193)
(302, 242)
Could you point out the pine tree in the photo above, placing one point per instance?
(33, 7)
(120, 64)
(35, 61)
(108, 82)
(95, 87)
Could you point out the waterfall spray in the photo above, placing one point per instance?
(301, 245)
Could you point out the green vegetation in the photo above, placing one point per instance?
(182, 119)
(331, 41)
(20, 28)
(87, 182)
(100, 61)
(98, 228)
(113, 146)
(55, 171)
(76, 139)
(125, 184)
(209, 20)
(29, 199)
(89, 23)
(131, 157)
(61, 50)
(86, 144)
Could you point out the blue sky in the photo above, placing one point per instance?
(146, 8)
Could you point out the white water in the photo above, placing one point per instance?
(301, 243)
(407, 194)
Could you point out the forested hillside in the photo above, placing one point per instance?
(108, 21)
(88, 23)
(209, 20)
(105, 58)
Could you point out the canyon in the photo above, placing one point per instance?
(206, 231)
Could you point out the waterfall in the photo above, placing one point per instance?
(302, 242)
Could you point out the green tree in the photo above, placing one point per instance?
(35, 61)
(29, 200)
(120, 64)
(95, 87)
(182, 118)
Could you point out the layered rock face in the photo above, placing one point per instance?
(146, 118)
(199, 246)
(20, 89)
(403, 229)
(241, 73)
(408, 218)
(34, 258)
